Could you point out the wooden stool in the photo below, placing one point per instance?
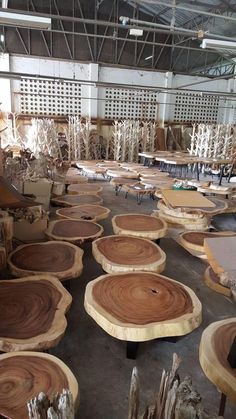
(87, 189)
(139, 191)
(84, 212)
(126, 254)
(73, 231)
(139, 225)
(64, 260)
(75, 200)
(32, 313)
(215, 345)
(23, 375)
(141, 306)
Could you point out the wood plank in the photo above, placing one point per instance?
(221, 253)
(186, 199)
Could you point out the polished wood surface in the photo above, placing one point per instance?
(84, 212)
(73, 231)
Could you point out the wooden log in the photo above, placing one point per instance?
(64, 260)
(73, 231)
(23, 375)
(32, 313)
(75, 200)
(84, 212)
(215, 345)
(86, 189)
(127, 253)
(201, 224)
(139, 225)
(212, 280)
(140, 306)
(194, 240)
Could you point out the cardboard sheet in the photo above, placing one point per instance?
(186, 199)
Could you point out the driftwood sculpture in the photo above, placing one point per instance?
(60, 407)
(175, 399)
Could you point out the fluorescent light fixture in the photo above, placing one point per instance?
(2, 38)
(15, 19)
(218, 44)
(136, 32)
(149, 57)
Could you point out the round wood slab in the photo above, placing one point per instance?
(84, 212)
(141, 306)
(212, 280)
(23, 375)
(75, 200)
(122, 173)
(201, 223)
(215, 345)
(139, 225)
(32, 311)
(73, 231)
(64, 260)
(127, 253)
(74, 179)
(194, 240)
(120, 181)
(220, 206)
(87, 189)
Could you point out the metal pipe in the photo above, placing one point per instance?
(173, 29)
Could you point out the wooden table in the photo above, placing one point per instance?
(84, 212)
(139, 190)
(75, 200)
(23, 375)
(215, 345)
(73, 231)
(87, 189)
(139, 225)
(140, 306)
(126, 254)
(63, 260)
(32, 313)
(119, 182)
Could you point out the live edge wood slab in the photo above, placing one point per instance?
(194, 240)
(215, 345)
(73, 231)
(23, 375)
(32, 311)
(127, 253)
(64, 260)
(84, 212)
(140, 306)
(139, 225)
(75, 200)
(87, 189)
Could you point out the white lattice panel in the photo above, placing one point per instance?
(130, 104)
(49, 97)
(190, 107)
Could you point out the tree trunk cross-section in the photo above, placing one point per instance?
(127, 253)
(73, 231)
(139, 225)
(215, 345)
(75, 200)
(212, 280)
(32, 312)
(64, 260)
(87, 189)
(84, 212)
(23, 375)
(140, 306)
(195, 239)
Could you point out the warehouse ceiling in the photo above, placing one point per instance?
(92, 31)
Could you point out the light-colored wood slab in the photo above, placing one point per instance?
(23, 375)
(201, 223)
(64, 260)
(120, 181)
(221, 253)
(194, 240)
(127, 253)
(84, 212)
(186, 199)
(139, 225)
(86, 189)
(122, 173)
(215, 345)
(220, 207)
(75, 200)
(32, 313)
(212, 280)
(141, 306)
(73, 231)
(74, 179)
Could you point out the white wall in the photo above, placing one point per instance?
(94, 72)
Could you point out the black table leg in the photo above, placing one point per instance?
(222, 404)
(221, 174)
(197, 170)
(158, 241)
(131, 350)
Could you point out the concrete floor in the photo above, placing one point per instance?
(99, 360)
